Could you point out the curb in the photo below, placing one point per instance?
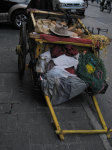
(96, 125)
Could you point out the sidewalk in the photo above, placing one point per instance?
(25, 120)
(26, 123)
(94, 3)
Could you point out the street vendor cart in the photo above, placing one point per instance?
(64, 61)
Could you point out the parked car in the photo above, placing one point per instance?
(13, 11)
(75, 6)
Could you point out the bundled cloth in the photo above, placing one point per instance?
(58, 80)
(61, 86)
(101, 40)
(59, 50)
(93, 72)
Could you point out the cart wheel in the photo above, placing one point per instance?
(21, 66)
(23, 50)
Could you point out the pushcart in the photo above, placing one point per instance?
(31, 42)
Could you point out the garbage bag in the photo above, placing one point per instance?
(61, 86)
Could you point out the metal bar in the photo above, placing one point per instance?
(99, 113)
(109, 133)
(33, 19)
(37, 50)
(62, 132)
(46, 12)
(82, 131)
(54, 117)
(83, 26)
(62, 42)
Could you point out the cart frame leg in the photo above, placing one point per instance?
(58, 128)
(61, 132)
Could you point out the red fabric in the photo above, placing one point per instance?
(51, 38)
(70, 50)
(70, 70)
(57, 51)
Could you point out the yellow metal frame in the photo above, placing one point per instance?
(63, 42)
(61, 132)
(32, 12)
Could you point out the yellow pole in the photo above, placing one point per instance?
(37, 50)
(47, 12)
(108, 133)
(83, 26)
(82, 131)
(62, 42)
(33, 19)
(54, 118)
(99, 113)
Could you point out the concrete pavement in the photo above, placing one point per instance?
(94, 3)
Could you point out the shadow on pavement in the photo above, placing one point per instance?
(4, 25)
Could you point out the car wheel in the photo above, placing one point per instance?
(18, 17)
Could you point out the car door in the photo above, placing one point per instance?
(5, 5)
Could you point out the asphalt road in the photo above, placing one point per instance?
(25, 122)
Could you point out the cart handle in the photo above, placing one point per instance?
(44, 12)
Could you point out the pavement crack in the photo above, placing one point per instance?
(10, 111)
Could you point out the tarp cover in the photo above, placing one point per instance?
(52, 38)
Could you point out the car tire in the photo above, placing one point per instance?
(18, 17)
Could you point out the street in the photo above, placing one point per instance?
(25, 120)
